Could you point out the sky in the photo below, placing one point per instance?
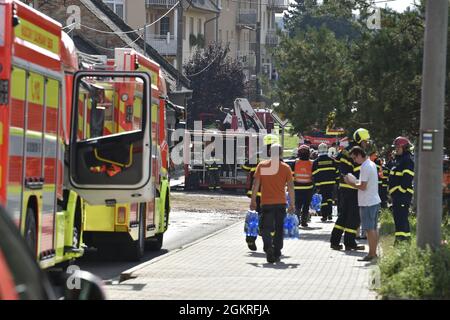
(397, 5)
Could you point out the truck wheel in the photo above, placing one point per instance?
(136, 252)
(155, 243)
(30, 231)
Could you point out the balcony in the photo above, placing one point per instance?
(164, 45)
(247, 58)
(166, 3)
(246, 17)
(278, 6)
(272, 39)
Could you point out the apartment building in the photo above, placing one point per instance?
(162, 33)
(237, 27)
(230, 22)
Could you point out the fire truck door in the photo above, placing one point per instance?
(110, 149)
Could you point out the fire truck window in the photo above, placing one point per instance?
(108, 106)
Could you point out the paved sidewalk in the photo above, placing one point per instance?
(221, 267)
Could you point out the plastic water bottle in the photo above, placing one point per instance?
(288, 200)
(316, 202)
(296, 234)
(289, 226)
(251, 224)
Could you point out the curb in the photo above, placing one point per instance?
(128, 274)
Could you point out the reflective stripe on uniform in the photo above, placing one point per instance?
(347, 186)
(408, 172)
(400, 174)
(346, 162)
(336, 226)
(303, 187)
(403, 234)
(350, 231)
(323, 169)
(399, 188)
(325, 183)
(249, 193)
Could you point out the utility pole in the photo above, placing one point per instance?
(258, 52)
(179, 42)
(432, 125)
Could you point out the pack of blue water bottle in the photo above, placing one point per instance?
(290, 225)
(316, 202)
(251, 224)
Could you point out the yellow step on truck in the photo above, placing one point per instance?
(124, 229)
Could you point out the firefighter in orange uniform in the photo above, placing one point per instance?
(303, 184)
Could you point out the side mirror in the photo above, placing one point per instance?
(84, 285)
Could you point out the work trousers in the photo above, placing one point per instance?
(383, 192)
(327, 201)
(272, 227)
(213, 178)
(302, 203)
(348, 218)
(400, 208)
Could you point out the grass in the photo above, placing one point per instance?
(290, 141)
(408, 272)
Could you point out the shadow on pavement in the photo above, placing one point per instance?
(110, 267)
(126, 286)
(263, 255)
(277, 265)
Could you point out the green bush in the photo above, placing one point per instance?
(407, 272)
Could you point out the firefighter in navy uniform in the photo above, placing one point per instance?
(324, 177)
(401, 187)
(251, 169)
(303, 184)
(212, 167)
(348, 219)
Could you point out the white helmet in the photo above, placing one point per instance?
(323, 149)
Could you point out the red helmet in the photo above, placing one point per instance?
(401, 142)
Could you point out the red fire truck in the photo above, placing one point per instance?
(37, 62)
(47, 160)
(244, 123)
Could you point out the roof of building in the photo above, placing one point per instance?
(84, 45)
(115, 23)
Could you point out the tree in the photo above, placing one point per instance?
(216, 81)
(373, 80)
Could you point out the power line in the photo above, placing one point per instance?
(125, 32)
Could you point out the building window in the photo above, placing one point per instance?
(228, 39)
(191, 25)
(164, 26)
(199, 26)
(184, 28)
(118, 6)
(220, 35)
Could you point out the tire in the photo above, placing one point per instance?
(155, 243)
(136, 252)
(30, 231)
